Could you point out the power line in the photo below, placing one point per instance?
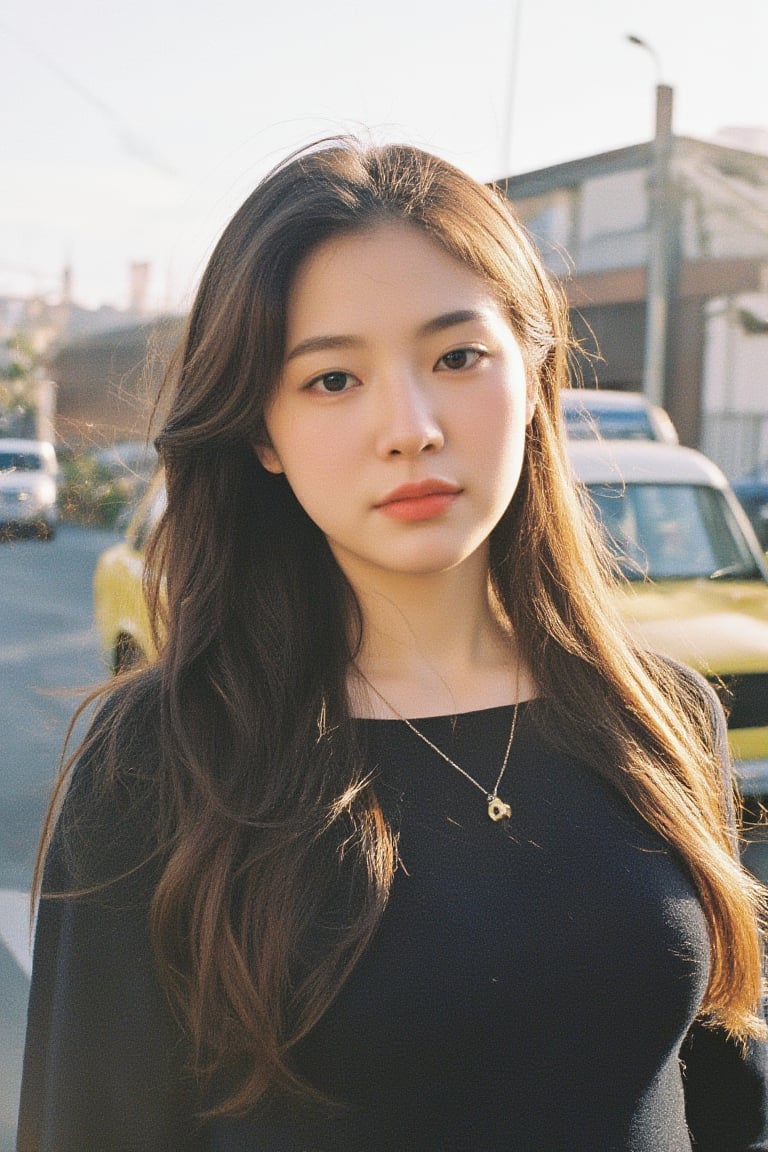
(125, 135)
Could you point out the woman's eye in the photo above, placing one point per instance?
(332, 382)
(460, 358)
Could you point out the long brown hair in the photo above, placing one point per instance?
(269, 827)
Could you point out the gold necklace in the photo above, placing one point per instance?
(497, 808)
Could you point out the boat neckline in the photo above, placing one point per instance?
(451, 716)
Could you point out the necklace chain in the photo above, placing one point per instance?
(497, 809)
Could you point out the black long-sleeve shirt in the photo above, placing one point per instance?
(533, 986)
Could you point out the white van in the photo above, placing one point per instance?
(28, 488)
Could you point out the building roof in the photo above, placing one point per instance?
(739, 164)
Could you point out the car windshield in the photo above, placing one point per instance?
(673, 532)
(20, 462)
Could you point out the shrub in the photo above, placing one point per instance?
(89, 492)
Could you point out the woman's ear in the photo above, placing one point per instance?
(268, 458)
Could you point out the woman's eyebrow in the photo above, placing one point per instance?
(323, 344)
(436, 324)
(451, 320)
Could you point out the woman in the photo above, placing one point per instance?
(400, 844)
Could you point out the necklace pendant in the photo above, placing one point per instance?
(497, 809)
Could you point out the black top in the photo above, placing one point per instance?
(532, 987)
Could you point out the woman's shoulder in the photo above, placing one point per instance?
(134, 698)
(695, 695)
(108, 820)
(693, 690)
(121, 747)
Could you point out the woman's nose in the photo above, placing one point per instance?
(408, 424)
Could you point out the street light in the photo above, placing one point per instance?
(662, 242)
(640, 43)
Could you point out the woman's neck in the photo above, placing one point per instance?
(434, 645)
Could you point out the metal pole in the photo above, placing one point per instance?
(661, 266)
(659, 275)
(507, 131)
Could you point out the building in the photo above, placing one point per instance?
(92, 373)
(593, 220)
(106, 384)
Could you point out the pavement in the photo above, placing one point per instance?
(15, 927)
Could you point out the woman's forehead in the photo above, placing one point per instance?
(393, 266)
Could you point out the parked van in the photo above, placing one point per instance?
(28, 488)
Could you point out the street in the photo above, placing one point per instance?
(48, 651)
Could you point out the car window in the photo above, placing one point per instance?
(586, 423)
(672, 531)
(20, 462)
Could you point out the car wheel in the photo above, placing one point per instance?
(127, 655)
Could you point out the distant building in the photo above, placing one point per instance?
(590, 218)
(139, 287)
(106, 383)
(96, 369)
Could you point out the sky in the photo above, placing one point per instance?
(132, 132)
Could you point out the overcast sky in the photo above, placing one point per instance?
(133, 131)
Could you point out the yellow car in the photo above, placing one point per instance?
(697, 588)
(120, 610)
(697, 581)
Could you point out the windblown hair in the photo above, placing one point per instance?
(276, 860)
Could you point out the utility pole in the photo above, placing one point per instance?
(512, 88)
(661, 267)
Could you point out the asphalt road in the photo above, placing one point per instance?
(48, 654)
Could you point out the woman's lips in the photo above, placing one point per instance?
(421, 501)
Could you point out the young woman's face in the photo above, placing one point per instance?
(399, 420)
